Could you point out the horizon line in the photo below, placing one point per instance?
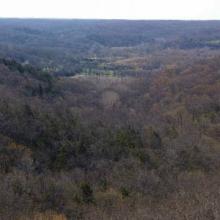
(110, 19)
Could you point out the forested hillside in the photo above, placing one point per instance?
(132, 133)
(69, 46)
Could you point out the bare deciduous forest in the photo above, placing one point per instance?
(109, 120)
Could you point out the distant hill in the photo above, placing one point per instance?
(58, 44)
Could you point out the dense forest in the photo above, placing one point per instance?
(109, 120)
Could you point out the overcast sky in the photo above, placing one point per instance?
(114, 9)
